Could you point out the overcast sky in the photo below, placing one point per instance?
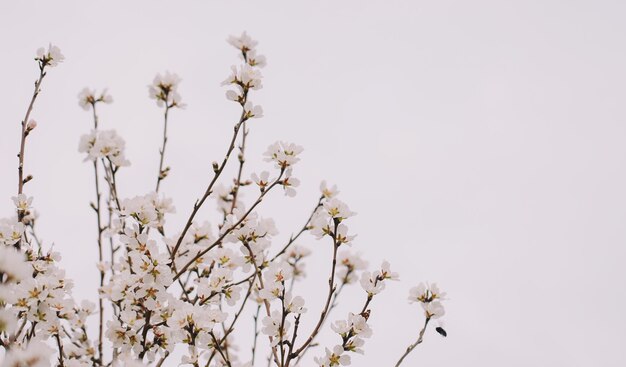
(482, 144)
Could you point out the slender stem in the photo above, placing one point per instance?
(144, 333)
(281, 328)
(243, 304)
(160, 363)
(293, 238)
(331, 290)
(219, 240)
(242, 160)
(61, 352)
(20, 167)
(410, 348)
(97, 209)
(333, 304)
(109, 173)
(219, 349)
(218, 172)
(266, 303)
(293, 338)
(162, 174)
(256, 332)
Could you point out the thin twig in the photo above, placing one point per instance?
(293, 238)
(217, 172)
(331, 290)
(256, 332)
(227, 232)
(97, 209)
(162, 174)
(61, 352)
(20, 167)
(242, 160)
(410, 348)
(333, 304)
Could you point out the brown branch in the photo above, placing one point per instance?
(331, 290)
(219, 240)
(242, 160)
(333, 304)
(293, 238)
(61, 352)
(265, 302)
(256, 332)
(217, 172)
(162, 174)
(20, 167)
(160, 363)
(410, 348)
(97, 209)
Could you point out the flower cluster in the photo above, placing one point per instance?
(11, 231)
(104, 144)
(164, 89)
(329, 221)
(148, 210)
(430, 297)
(88, 98)
(246, 76)
(355, 328)
(50, 57)
(165, 292)
(37, 306)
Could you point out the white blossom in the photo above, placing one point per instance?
(88, 98)
(35, 354)
(272, 327)
(50, 57)
(283, 154)
(349, 266)
(332, 358)
(13, 263)
(295, 304)
(252, 111)
(244, 42)
(328, 192)
(104, 144)
(164, 89)
(22, 202)
(289, 183)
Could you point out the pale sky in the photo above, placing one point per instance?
(482, 144)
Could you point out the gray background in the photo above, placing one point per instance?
(481, 143)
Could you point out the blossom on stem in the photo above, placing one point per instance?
(252, 111)
(164, 89)
(337, 209)
(333, 358)
(289, 183)
(104, 144)
(50, 57)
(244, 42)
(328, 192)
(272, 327)
(13, 264)
(22, 202)
(88, 98)
(430, 297)
(261, 180)
(348, 266)
(35, 354)
(11, 231)
(283, 154)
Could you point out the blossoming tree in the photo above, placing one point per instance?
(178, 298)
